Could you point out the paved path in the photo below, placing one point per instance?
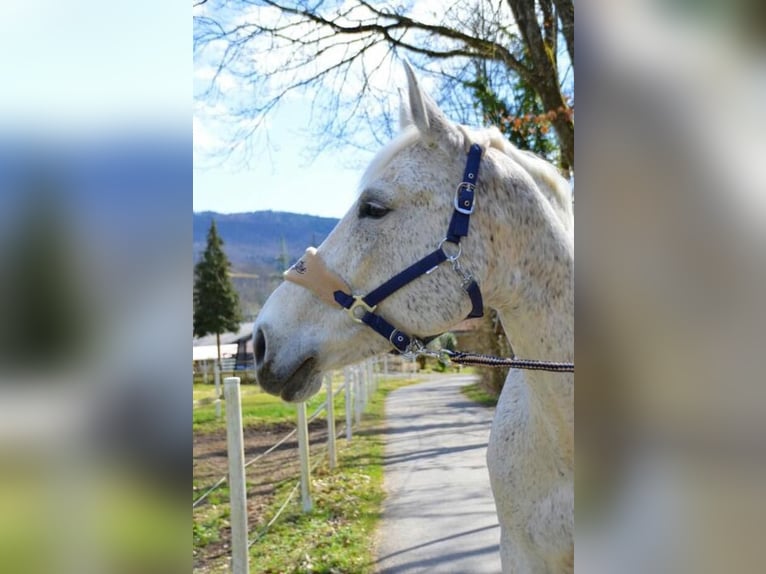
(439, 516)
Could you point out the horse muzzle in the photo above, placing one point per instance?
(293, 378)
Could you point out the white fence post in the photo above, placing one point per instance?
(371, 376)
(349, 380)
(358, 404)
(303, 451)
(368, 368)
(330, 422)
(237, 491)
(217, 379)
(363, 387)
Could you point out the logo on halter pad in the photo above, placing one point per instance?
(299, 267)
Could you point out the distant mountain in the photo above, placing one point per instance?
(253, 243)
(254, 240)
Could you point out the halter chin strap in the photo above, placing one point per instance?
(312, 273)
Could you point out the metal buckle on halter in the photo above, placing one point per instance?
(362, 306)
(468, 206)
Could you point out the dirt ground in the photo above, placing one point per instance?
(210, 464)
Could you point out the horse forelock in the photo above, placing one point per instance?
(405, 138)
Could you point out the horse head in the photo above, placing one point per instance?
(401, 214)
(406, 201)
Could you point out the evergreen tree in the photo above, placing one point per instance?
(216, 303)
(284, 257)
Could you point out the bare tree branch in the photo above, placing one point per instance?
(275, 47)
(565, 9)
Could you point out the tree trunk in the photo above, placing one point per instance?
(564, 126)
(218, 344)
(544, 76)
(565, 9)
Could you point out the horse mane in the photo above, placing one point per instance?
(553, 186)
(551, 183)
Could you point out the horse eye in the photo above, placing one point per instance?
(372, 209)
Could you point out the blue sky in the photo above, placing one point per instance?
(88, 67)
(82, 65)
(96, 97)
(282, 175)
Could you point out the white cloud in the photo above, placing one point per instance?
(224, 82)
(204, 139)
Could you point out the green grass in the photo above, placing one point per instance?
(258, 407)
(477, 394)
(207, 521)
(131, 521)
(337, 536)
(245, 377)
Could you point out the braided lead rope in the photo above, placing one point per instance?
(492, 361)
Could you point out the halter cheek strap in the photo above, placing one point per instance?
(312, 273)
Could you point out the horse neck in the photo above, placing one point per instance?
(529, 279)
(537, 312)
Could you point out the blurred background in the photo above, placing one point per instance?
(670, 207)
(96, 290)
(95, 297)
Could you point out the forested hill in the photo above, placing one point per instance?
(253, 240)
(260, 245)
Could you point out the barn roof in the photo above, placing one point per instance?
(245, 332)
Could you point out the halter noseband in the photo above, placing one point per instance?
(311, 272)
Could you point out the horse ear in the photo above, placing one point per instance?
(426, 115)
(405, 115)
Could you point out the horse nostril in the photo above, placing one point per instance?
(259, 347)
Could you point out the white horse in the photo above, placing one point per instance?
(519, 248)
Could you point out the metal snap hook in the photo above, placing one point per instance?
(415, 348)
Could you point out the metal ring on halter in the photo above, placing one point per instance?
(362, 306)
(452, 258)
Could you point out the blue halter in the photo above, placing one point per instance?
(362, 309)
